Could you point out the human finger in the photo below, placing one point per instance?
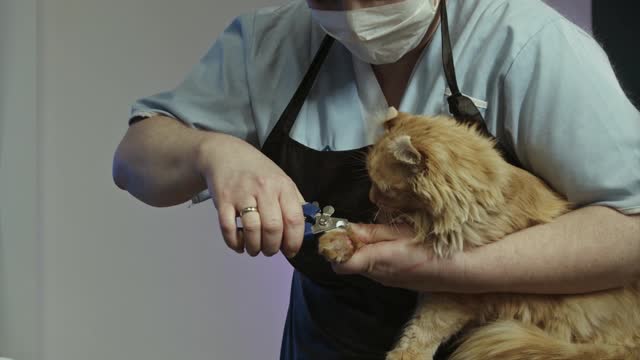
(293, 222)
(228, 227)
(374, 233)
(301, 199)
(362, 262)
(251, 227)
(271, 223)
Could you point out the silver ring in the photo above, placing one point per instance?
(247, 210)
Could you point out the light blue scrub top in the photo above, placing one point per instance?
(544, 86)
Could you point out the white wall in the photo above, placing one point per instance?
(87, 272)
(122, 280)
(20, 321)
(578, 11)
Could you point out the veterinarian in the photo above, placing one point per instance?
(542, 86)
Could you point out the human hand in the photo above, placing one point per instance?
(240, 176)
(390, 255)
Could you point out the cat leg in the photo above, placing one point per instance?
(438, 317)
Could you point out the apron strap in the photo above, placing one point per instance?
(460, 106)
(290, 113)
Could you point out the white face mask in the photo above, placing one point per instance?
(380, 34)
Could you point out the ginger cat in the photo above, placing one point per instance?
(450, 183)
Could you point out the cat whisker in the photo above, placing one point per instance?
(390, 215)
(395, 226)
(359, 158)
(375, 217)
(362, 176)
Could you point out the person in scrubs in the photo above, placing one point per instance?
(542, 86)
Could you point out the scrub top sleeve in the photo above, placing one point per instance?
(214, 96)
(569, 120)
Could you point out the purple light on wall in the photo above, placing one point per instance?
(578, 11)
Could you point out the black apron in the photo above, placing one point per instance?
(330, 316)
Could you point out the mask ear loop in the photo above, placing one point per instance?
(460, 106)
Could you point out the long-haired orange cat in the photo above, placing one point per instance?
(450, 183)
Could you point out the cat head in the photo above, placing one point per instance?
(434, 165)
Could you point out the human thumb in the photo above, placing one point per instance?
(376, 242)
(375, 233)
(362, 262)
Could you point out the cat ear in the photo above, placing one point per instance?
(404, 151)
(391, 113)
(390, 120)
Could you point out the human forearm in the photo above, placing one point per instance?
(157, 161)
(589, 249)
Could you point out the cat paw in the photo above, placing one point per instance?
(336, 246)
(406, 355)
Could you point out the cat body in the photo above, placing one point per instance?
(454, 187)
